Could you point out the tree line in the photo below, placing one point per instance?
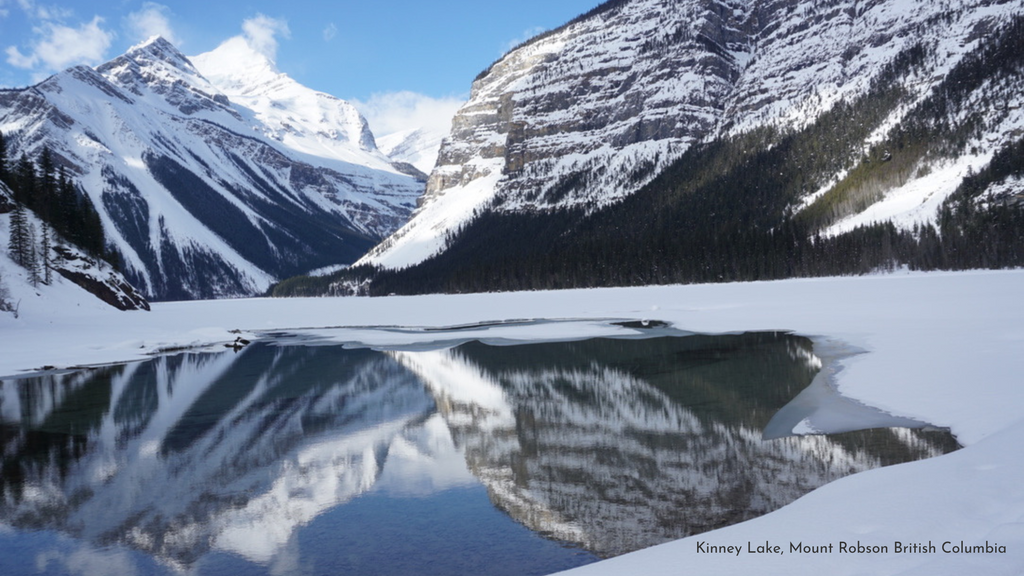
(969, 234)
(67, 214)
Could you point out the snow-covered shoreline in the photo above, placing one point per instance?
(945, 348)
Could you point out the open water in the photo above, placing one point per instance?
(475, 459)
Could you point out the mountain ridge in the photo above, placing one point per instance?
(754, 89)
(528, 167)
(195, 192)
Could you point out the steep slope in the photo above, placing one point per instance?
(416, 146)
(574, 122)
(580, 116)
(301, 119)
(75, 280)
(203, 196)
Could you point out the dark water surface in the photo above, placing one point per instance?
(477, 459)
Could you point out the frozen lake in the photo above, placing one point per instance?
(523, 459)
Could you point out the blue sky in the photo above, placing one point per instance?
(369, 50)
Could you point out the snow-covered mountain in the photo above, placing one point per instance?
(216, 178)
(416, 146)
(586, 115)
(303, 120)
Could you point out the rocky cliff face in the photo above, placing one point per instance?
(203, 187)
(587, 114)
(98, 279)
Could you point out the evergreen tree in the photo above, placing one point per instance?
(45, 261)
(92, 238)
(3, 160)
(64, 215)
(46, 204)
(18, 243)
(24, 181)
(31, 255)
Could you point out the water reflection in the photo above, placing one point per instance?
(189, 452)
(612, 445)
(622, 444)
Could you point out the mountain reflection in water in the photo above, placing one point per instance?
(622, 444)
(611, 445)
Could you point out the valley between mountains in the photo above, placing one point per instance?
(845, 172)
(644, 142)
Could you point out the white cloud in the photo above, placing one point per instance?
(397, 111)
(261, 33)
(34, 10)
(17, 59)
(86, 561)
(330, 32)
(526, 35)
(57, 46)
(152, 20)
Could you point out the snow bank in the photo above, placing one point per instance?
(944, 348)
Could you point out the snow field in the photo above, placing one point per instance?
(944, 348)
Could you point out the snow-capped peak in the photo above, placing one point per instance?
(157, 48)
(417, 146)
(238, 69)
(211, 188)
(303, 119)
